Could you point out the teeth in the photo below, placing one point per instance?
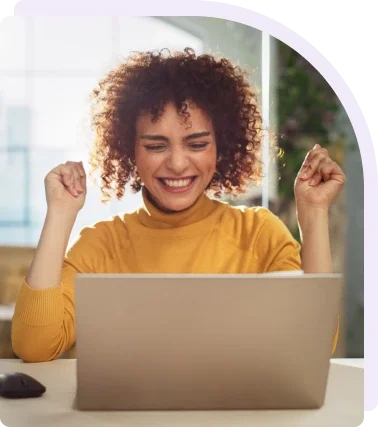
(177, 183)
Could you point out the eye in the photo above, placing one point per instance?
(198, 145)
(155, 147)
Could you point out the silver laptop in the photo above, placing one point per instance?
(162, 341)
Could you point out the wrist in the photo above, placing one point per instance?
(61, 214)
(308, 210)
(310, 216)
(60, 218)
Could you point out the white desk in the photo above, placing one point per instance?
(6, 312)
(344, 404)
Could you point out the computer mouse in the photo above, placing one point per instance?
(18, 385)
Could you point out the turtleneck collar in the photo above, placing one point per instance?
(153, 217)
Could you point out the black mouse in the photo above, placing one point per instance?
(18, 385)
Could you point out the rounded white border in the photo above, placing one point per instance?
(278, 27)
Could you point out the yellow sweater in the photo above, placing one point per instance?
(209, 237)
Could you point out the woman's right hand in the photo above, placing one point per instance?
(66, 187)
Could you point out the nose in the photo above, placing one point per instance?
(177, 162)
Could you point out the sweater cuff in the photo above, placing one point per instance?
(39, 307)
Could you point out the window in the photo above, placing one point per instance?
(47, 74)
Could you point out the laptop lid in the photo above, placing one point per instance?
(204, 341)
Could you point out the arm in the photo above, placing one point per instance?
(41, 305)
(316, 249)
(314, 234)
(283, 253)
(65, 188)
(43, 323)
(319, 182)
(46, 268)
(274, 245)
(43, 326)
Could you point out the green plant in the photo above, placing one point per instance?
(307, 114)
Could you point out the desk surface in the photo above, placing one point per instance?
(344, 404)
(6, 312)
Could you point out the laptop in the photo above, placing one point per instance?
(198, 342)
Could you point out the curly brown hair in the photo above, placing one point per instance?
(144, 84)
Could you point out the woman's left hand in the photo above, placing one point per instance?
(319, 180)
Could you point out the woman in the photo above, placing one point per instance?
(177, 127)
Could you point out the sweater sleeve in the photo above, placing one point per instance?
(43, 325)
(276, 247)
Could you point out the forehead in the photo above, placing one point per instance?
(171, 122)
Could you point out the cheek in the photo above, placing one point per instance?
(146, 164)
(211, 161)
(141, 163)
(206, 165)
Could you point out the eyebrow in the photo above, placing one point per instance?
(164, 138)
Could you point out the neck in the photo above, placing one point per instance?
(156, 204)
(153, 215)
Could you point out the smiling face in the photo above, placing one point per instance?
(176, 160)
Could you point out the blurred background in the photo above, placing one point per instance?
(48, 68)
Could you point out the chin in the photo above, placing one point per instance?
(177, 205)
(175, 200)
